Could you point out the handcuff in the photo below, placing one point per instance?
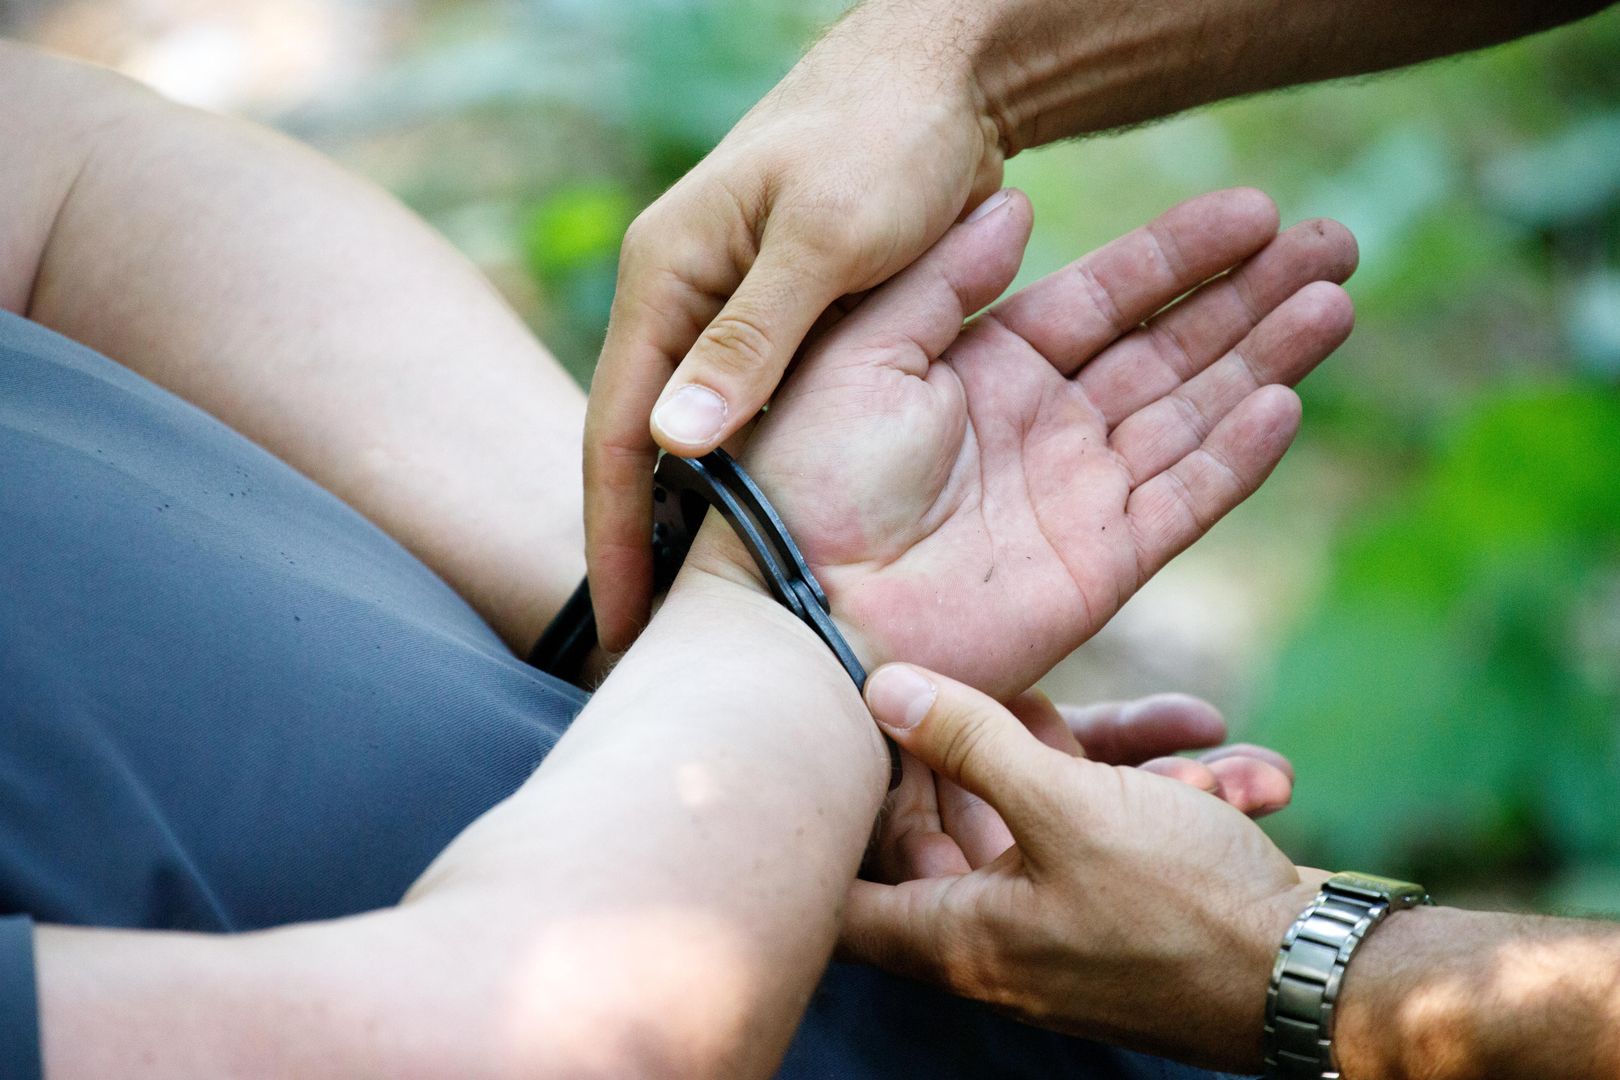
(684, 489)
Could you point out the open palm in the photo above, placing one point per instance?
(982, 500)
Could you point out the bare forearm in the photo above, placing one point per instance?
(1047, 69)
(659, 899)
(726, 778)
(1442, 994)
(306, 309)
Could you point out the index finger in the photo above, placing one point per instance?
(656, 317)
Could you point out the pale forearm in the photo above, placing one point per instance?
(306, 309)
(1443, 994)
(659, 899)
(727, 775)
(1048, 69)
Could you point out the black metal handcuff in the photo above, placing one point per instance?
(683, 491)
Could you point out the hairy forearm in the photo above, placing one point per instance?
(1048, 69)
(659, 899)
(1442, 994)
(306, 309)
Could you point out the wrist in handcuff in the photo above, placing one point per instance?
(719, 554)
(688, 539)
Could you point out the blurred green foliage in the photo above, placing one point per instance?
(1452, 698)
(1448, 676)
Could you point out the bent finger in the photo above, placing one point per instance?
(1251, 785)
(911, 842)
(1046, 722)
(979, 832)
(618, 466)
(740, 357)
(971, 740)
(1185, 770)
(1264, 753)
(1131, 732)
(893, 927)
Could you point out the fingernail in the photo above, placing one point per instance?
(899, 697)
(998, 199)
(693, 414)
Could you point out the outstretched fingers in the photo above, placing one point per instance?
(1073, 314)
(1286, 345)
(1185, 339)
(1170, 510)
(1131, 732)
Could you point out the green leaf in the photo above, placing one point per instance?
(575, 228)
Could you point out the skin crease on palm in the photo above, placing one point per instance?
(981, 500)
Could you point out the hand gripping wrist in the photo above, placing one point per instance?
(684, 490)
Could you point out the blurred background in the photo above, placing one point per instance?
(1423, 606)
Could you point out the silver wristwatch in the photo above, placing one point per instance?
(1310, 968)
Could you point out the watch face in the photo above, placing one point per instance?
(1399, 894)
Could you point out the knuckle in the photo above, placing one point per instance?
(644, 235)
(966, 964)
(962, 746)
(833, 234)
(735, 345)
(981, 954)
(841, 245)
(622, 471)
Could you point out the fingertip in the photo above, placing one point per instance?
(1338, 238)
(1243, 211)
(1328, 307)
(690, 420)
(1255, 206)
(995, 234)
(1045, 721)
(1274, 412)
(619, 619)
(899, 696)
(1253, 786)
(619, 577)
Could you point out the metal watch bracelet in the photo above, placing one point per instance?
(1309, 974)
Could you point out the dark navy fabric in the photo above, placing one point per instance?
(227, 701)
(19, 1008)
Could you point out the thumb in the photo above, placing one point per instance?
(740, 357)
(971, 740)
